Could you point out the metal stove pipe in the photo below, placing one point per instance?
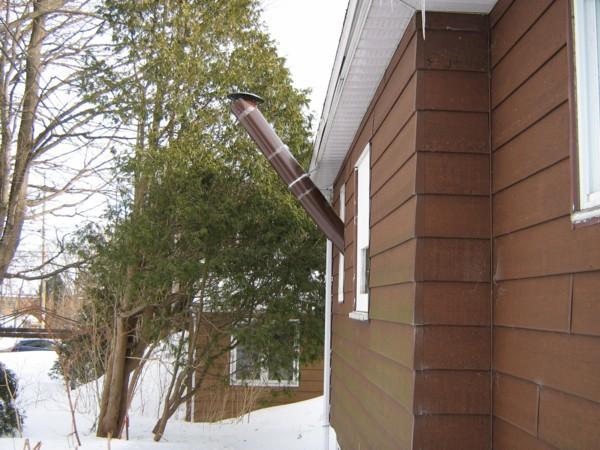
(245, 108)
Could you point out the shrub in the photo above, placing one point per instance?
(10, 416)
(79, 360)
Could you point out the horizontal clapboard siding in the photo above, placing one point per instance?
(372, 362)
(428, 126)
(217, 400)
(546, 297)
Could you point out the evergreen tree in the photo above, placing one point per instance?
(206, 242)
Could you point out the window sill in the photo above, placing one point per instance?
(361, 316)
(265, 384)
(586, 217)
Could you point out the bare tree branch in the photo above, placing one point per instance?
(48, 129)
(21, 275)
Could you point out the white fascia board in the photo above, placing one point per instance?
(370, 35)
(336, 80)
(466, 6)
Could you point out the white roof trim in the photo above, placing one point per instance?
(371, 33)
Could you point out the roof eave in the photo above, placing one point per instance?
(371, 33)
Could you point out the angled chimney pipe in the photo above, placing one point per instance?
(245, 108)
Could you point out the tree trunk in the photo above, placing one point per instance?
(179, 391)
(173, 392)
(161, 425)
(117, 391)
(14, 212)
(116, 382)
(189, 385)
(5, 141)
(116, 395)
(178, 395)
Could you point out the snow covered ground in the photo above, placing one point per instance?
(292, 427)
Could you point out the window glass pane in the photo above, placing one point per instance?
(597, 15)
(594, 153)
(246, 364)
(341, 278)
(341, 255)
(595, 170)
(281, 366)
(587, 68)
(364, 276)
(277, 367)
(283, 370)
(343, 203)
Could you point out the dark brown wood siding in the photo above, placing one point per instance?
(217, 399)
(417, 374)
(452, 268)
(372, 384)
(546, 340)
(475, 263)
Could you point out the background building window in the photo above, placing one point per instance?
(250, 368)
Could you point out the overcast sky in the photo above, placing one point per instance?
(307, 34)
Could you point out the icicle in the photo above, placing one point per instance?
(423, 8)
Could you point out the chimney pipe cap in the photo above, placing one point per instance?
(245, 96)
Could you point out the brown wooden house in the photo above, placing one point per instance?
(238, 383)
(229, 395)
(462, 147)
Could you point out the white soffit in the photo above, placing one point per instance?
(371, 33)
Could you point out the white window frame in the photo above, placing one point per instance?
(586, 37)
(342, 209)
(264, 379)
(362, 221)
